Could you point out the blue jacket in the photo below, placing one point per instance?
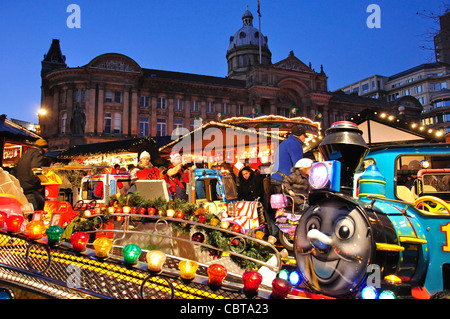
(289, 152)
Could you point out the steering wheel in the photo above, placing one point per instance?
(92, 204)
(440, 205)
(78, 205)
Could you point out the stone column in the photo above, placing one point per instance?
(126, 111)
(134, 112)
(100, 110)
(91, 116)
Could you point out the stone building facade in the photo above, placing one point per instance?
(113, 97)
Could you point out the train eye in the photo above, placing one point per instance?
(313, 223)
(345, 228)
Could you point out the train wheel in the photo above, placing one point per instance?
(286, 240)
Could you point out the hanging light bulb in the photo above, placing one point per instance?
(102, 247)
(35, 229)
(54, 234)
(188, 268)
(131, 253)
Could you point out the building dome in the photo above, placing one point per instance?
(244, 50)
(248, 34)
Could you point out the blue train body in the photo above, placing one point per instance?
(378, 240)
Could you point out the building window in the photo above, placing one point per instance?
(108, 96)
(210, 107)
(117, 123)
(143, 126)
(418, 89)
(239, 109)
(178, 126)
(160, 127)
(80, 95)
(63, 123)
(161, 103)
(178, 105)
(111, 97)
(107, 127)
(144, 101)
(225, 108)
(117, 97)
(194, 106)
(365, 87)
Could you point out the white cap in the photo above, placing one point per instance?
(144, 154)
(173, 156)
(304, 163)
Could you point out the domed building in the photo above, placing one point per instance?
(113, 97)
(247, 47)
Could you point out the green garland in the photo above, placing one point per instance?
(214, 237)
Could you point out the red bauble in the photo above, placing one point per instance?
(198, 237)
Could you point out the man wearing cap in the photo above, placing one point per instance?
(30, 183)
(289, 152)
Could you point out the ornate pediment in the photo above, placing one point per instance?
(292, 63)
(115, 62)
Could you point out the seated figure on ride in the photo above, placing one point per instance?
(297, 184)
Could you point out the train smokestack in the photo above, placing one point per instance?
(344, 142)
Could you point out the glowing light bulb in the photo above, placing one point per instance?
(188, 268)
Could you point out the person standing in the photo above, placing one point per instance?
(250, 185)
(289, 152)
(175, 177)
(30, 183)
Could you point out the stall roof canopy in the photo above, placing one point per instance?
(382, 128)
(13, 131)
(137, 145)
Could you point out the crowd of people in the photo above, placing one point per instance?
(288, 175)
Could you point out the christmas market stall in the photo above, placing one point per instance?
(122, 152)
(15, 140)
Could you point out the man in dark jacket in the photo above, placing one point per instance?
(30, 183)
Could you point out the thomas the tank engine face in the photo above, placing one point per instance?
(333, 246)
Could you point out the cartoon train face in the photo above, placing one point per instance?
(333, 247)
(337, 239)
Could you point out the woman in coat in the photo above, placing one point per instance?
(250, 186)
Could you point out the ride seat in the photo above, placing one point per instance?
(405, 194)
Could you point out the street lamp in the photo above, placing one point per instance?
(41, 114)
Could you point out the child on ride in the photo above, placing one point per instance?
(297, 184)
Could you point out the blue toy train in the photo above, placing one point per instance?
(376, 245)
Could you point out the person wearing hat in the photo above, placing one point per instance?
(175, 177)
(297, 183)
(144, 162)
(30, 183)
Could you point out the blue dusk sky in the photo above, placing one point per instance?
(192, 36)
